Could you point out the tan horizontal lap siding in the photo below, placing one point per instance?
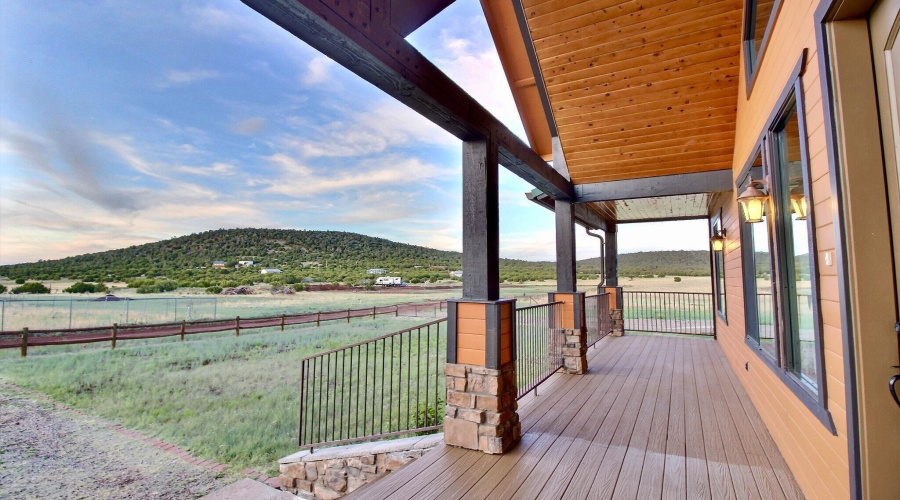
(817, 458)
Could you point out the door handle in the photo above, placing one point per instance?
(892, 384)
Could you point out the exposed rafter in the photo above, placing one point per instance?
(651, 187)
(358, 35)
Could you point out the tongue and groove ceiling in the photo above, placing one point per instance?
(636, 89)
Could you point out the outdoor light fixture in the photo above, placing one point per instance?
(718, 241)
(753, 201)
(798, 203)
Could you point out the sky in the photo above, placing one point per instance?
(125, 122)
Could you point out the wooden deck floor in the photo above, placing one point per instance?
(656, 417)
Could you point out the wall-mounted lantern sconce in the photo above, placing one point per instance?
(798, 204)
(718, 241)
(753, 201)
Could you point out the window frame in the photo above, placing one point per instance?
(816, 402)
(752, 64)
(715, 224)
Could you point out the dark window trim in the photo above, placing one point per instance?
(752, 67)
(816, 403)
(716, 222)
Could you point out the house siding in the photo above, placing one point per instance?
(818, 459)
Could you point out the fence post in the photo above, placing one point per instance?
(318, 318)
(396, 311)
(24, 342)
(182, 330)
(348, 316)
(282, 322)
(115, 332)
(127, 300)
(70, 313)
(237, 326)
(2, 314)
(373, 312)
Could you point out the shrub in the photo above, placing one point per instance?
(299, 287)
(3, 288)
(33, 287)
(81, 287)
(677, 279)
(20, 281)
(214, 290)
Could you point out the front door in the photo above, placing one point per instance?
(884, 25)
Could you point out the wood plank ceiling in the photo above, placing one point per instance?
(640, 88)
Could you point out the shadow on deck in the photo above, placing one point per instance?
(655, 417)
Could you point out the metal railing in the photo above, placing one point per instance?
(596, 314)
(539, 343)
(388, 386)
(669, 312)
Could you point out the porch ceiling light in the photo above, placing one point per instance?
(718, 241)
(753, 201)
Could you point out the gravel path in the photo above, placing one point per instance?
(49, 453)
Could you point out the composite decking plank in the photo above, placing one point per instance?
(650, 485)
(532, 435)
(580, 485)
(435, 483)
(695, 454)
(516, 479)
(573, 447)
(577, 446)
(720, 483)
(766, 481)
(789, 485)
(738, 464)
(632, 466)
(611, 466)
(416, 468)
(675, 476)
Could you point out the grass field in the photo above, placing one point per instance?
(226, 399)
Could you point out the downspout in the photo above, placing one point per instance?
(602, 258)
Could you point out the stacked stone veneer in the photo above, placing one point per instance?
(331, 473)
(481, 407)
(617, 322)
(575, 351)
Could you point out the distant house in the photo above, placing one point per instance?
(218, 264)
(270, 270)
(456, 274)
(375, 271)
(245, 263)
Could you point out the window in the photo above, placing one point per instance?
(759, 16)
(759, 277)
(778, 258)
(719, 268)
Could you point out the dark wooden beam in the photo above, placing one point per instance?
(409, 15)
(565, 246)
(612, 257)
(584, 214)
(358, 35)
(481, 221)
(652, 187)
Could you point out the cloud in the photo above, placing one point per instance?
(374, 130)
(250, 126)
(217, 168)
(297, 179)
(177, 78)
(318, 71)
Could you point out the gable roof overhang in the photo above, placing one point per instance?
(636, 89)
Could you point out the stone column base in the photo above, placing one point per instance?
(617, 322)
(575, 351)
(481, 408)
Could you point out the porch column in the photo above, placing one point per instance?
(616, 296)
(480, 413)
(572, 321)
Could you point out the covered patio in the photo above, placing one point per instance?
(654, 417)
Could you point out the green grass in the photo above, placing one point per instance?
(231, 400)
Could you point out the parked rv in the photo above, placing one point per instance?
(389, 281)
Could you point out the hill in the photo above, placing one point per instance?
(321, 256)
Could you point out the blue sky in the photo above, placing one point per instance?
(123, 123)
